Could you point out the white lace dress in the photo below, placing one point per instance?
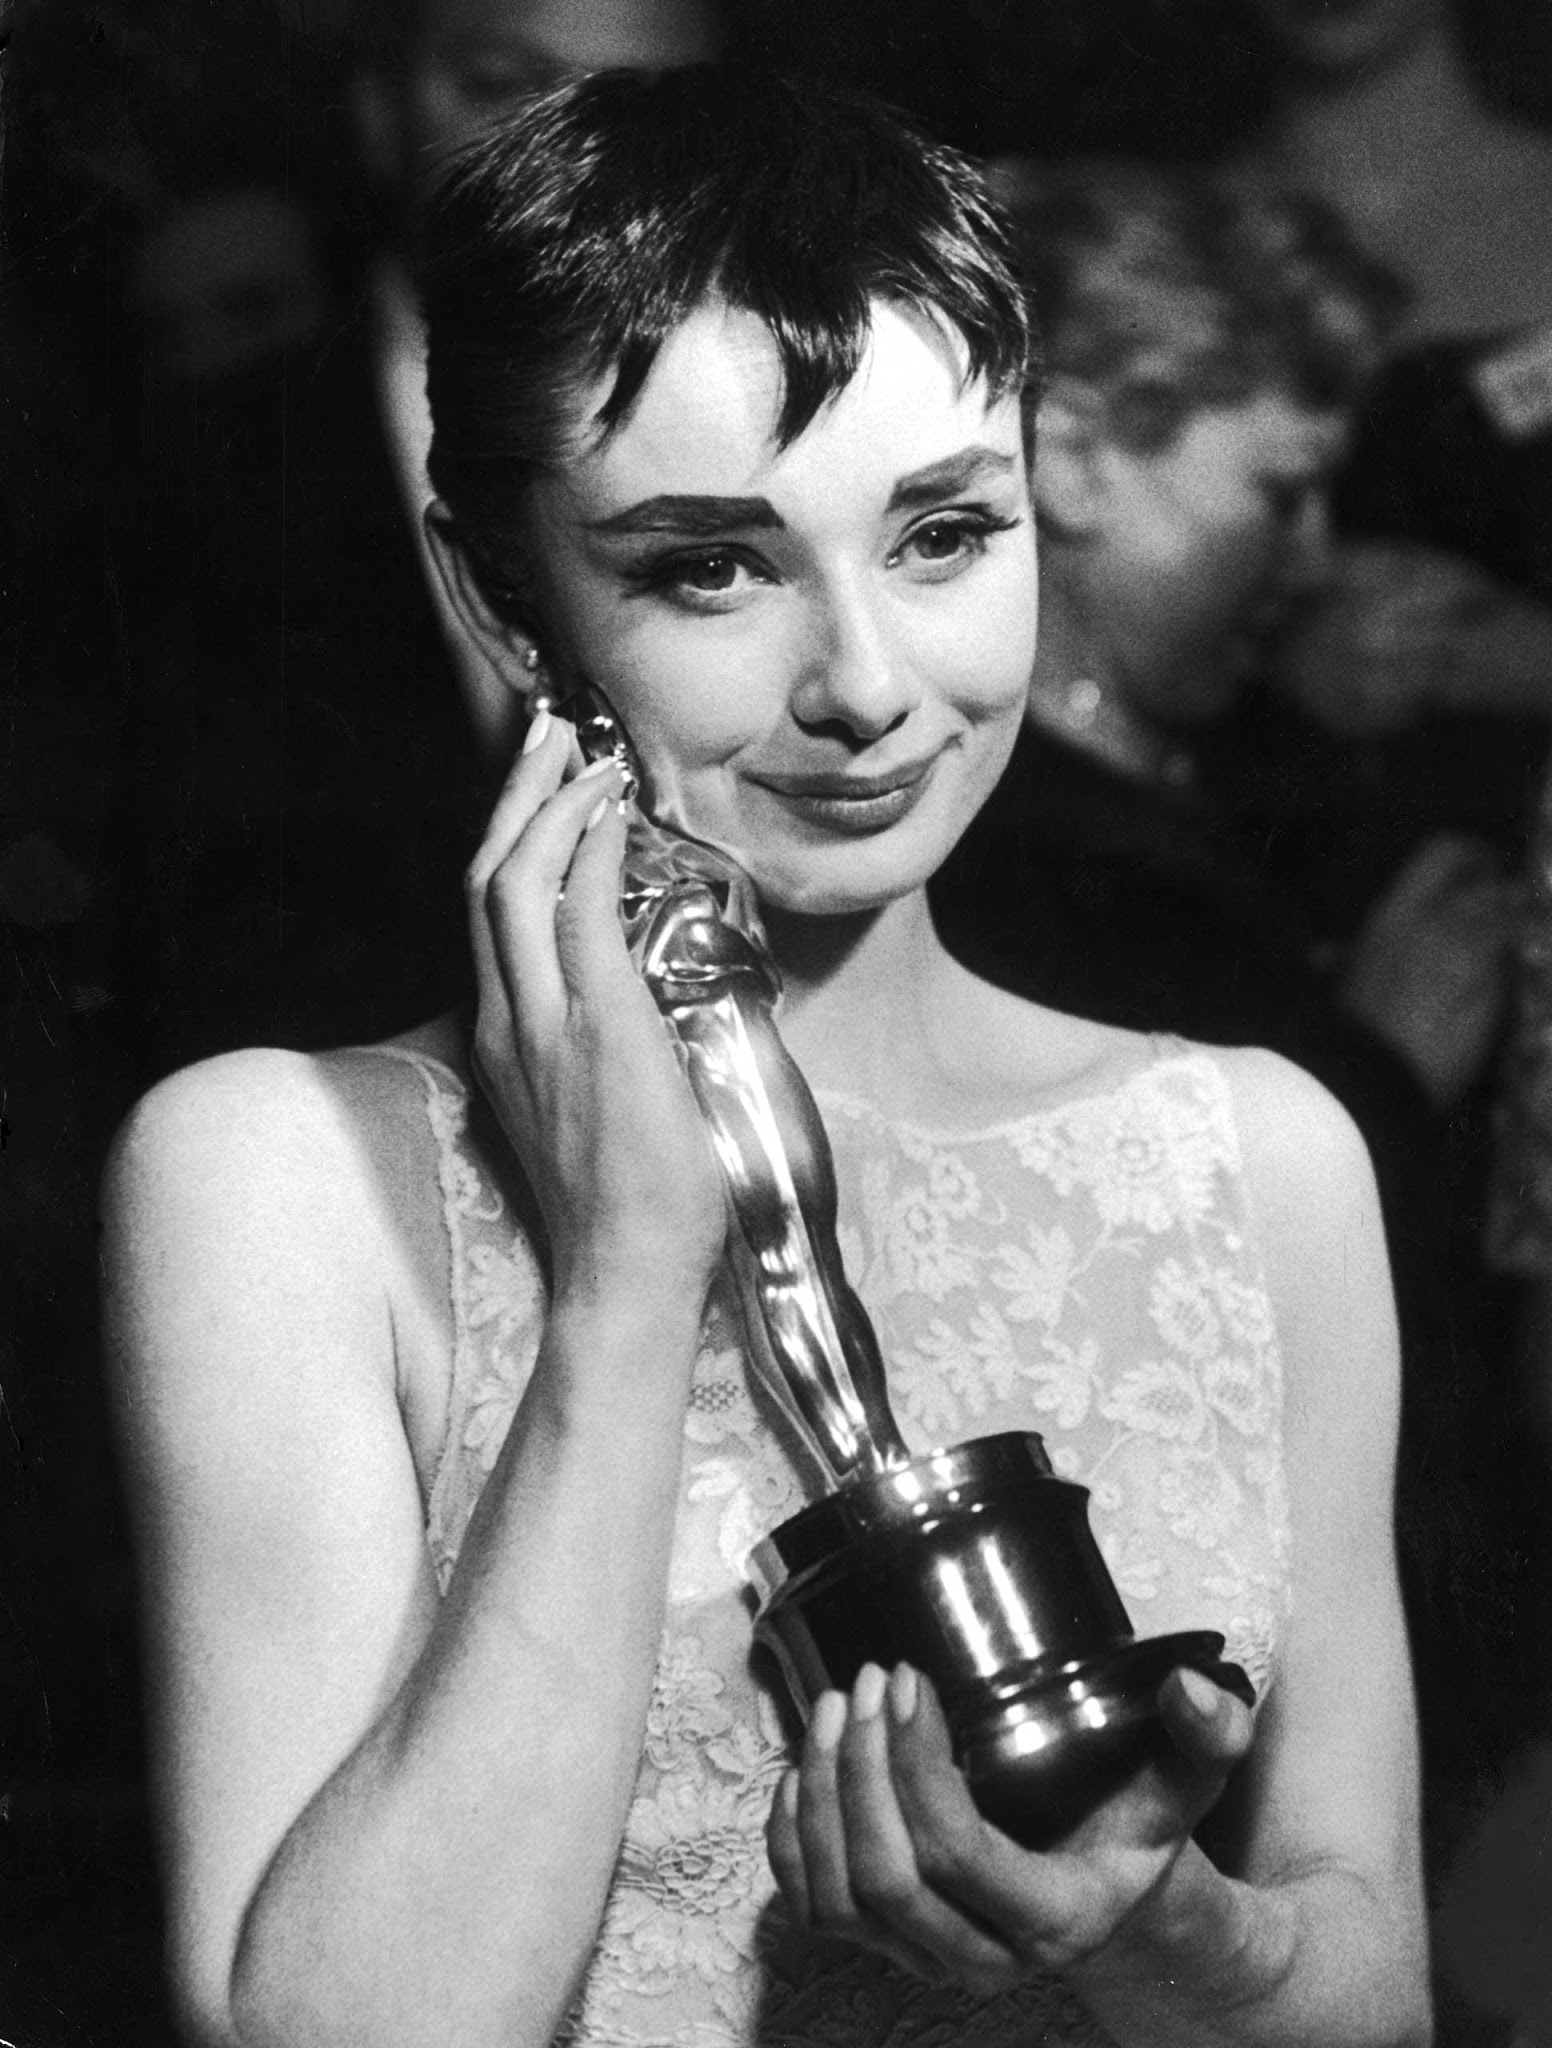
(1085, 1271)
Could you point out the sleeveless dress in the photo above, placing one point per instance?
(1086, 1271)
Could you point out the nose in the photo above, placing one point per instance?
(853, 675)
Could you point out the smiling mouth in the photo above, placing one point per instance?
(853, 805)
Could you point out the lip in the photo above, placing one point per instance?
(855, 805)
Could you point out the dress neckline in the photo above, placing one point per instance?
(1158, 1049)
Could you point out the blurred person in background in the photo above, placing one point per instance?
(1206, 353)
(1206, 356)
(1420, 695)
(1422, 687)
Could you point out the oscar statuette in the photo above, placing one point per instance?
(974, 1563)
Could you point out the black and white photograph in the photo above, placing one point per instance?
(776, 1062)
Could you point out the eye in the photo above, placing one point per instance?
(701, 579)
(707, 572)
(947, 542)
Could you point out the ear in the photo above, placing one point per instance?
(512, 650)
(1070, 469)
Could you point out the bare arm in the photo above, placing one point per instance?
(1315, 1932)
(1319, 1937)
(391, 1819)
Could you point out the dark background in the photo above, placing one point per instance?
(105, 105)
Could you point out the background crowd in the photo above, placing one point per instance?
(1283, 780)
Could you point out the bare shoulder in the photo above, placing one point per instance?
(298, 1129)
(248, 1142)
(1321, 1236)
(244, 1225)
(1306, 1165)
(195, 1114)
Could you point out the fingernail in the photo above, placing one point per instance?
(539, 726)
(1200, 1691)
(829, 1722)
(867, 1695)
(599, 810)
(788, 1795)
(902, 1695)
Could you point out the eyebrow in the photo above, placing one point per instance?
(688, 513)
(947, 478)
(706, 517)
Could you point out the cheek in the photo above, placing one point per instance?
(978, 654)
(692, 695)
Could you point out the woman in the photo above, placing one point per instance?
(457, 1734)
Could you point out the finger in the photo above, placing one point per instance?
(786, 1854)
(1210, 1728)
(960, 1856)
(1210, 1731)
(536, 773)
(589, 940)
(885, 1880)
(534, 776)
(522, 897)
(785, 1850)
(821, 1836)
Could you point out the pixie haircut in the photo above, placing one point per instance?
(565, 246)
(1166, 294)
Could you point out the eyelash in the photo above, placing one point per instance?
(974, 524)
(667, 575)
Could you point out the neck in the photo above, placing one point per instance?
(1368, 140)
(860, 994)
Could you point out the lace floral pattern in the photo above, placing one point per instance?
(1086, 1272)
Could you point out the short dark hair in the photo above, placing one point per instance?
(1167, 292)
(568, 243)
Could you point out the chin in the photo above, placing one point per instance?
(852, 879)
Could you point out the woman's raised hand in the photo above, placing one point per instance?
(568, 1044)
(876, 1839)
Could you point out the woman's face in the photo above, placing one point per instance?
(822, 653)
(1339, 36)
(1203, 545)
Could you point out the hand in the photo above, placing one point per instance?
(568, 1043)
(876, 1838)
(1428, 971)
(1403, 631)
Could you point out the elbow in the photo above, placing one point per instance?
(297, 1994)
(278, 1998)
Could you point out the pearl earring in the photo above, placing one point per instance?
(541, 695)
